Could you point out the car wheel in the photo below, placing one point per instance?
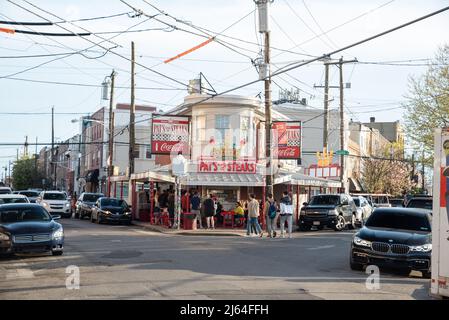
(352, 225)
(426, 274)
(305, 228)
(355, 266)
(341, 223)
(57, 253)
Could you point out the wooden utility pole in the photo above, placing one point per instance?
(132, 111)
(342, 128)
(423, 172)
(265, 74)
(111, 133)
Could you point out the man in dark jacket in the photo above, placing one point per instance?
(209, 211)
(195, 203)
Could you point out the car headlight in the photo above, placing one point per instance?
(67, 205)
(332, 213)
(127, 213)
(424, 248)
(360, 242)
(4, 236)
(45, 204)
(58, 234)
(107, 212)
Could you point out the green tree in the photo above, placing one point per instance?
(428, 103)
(25, 174)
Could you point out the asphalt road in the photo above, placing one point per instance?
(122, 262)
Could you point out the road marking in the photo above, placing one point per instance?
(20, 274)
(116, 240)
(322, 247)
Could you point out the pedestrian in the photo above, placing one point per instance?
(271, 215)
(171, 208)
(209, 211)
(185, 205)
(286, 214)
(218, 212)
(253, 215)
(238, 213)
(195, 202)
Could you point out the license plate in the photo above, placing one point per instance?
(316, 223)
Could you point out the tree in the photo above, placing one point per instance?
(386, 176)
(25, 174)
(428, 103)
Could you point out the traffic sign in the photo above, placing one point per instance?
(342, 152)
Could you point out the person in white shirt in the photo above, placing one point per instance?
(286, 214)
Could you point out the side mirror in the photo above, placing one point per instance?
(56, 217)
(305, 204)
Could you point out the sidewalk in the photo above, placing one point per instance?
(199, 232)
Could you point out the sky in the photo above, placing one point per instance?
(305, 28)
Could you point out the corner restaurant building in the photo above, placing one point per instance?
(223, 140)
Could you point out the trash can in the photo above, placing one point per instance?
(189, 221)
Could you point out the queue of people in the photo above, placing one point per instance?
(248, 212)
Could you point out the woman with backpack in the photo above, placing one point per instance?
(271, 214)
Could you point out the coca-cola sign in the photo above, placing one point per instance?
(286, 140)
(170, 134)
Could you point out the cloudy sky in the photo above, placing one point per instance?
(304, 28)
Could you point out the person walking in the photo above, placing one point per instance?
(209, 211)
(271, 214)
(195, 202)
(253, 215)
(286, 214)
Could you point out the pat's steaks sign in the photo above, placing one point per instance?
(287, 139)
(227, 166)
(170, 134)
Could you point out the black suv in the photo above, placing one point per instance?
(332, 210)
(83, 207)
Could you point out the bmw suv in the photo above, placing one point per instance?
(335, 211)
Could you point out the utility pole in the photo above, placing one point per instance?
(413, 167)
(53, 162)
(26, 146)
(111, 133)
(265, 74)
(132, 116)
(9, 173)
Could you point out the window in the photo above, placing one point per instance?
(221, 126)
(148, 152)
(201, 128)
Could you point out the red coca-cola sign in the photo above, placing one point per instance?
(170, 134)
(287, 140)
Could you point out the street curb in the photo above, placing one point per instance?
(187, 233)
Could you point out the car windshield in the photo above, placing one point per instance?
(10, 215)
(55, 196)
(13, 200)
(325, 200)
(357, 202)
(5, 191)
(91, 197)
(30, 193)
(420, 203)
(113, 203)
(398, 220)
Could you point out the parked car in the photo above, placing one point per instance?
(13, 198)
(394, 237)
(364, 210)
(110, 209)
(5, 190)
(83, 207)
(397, 202)
(28, 227)
(410, 196)
(332, 210)
(421, 202)
(376, 200)
(55, 202)
(31, 194)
